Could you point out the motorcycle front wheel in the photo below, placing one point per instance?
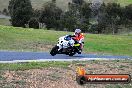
(54, 50)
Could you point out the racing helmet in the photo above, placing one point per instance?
(77, 31)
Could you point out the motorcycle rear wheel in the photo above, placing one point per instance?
(72, 53)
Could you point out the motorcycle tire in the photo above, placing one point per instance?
(71, 54)
(54, 50)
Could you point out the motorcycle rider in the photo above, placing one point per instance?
(79, 37)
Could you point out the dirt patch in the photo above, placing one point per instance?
(41, 47)
(65, 77)
(42, 78)
(44, 47)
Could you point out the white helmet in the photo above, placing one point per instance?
(78, 31)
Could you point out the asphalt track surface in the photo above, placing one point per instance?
(13, 56)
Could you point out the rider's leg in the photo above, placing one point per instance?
(80, 48)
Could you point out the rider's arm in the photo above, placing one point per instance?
(81, 39)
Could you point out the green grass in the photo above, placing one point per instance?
(124, 2)
(24, 39)
(62, 64)
(121, 2)
(4, 21)
(32, 65)
(115, 44)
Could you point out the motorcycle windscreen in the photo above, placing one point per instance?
(67, 38)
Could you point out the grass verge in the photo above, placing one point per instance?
(25, 39)
(32, 65)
